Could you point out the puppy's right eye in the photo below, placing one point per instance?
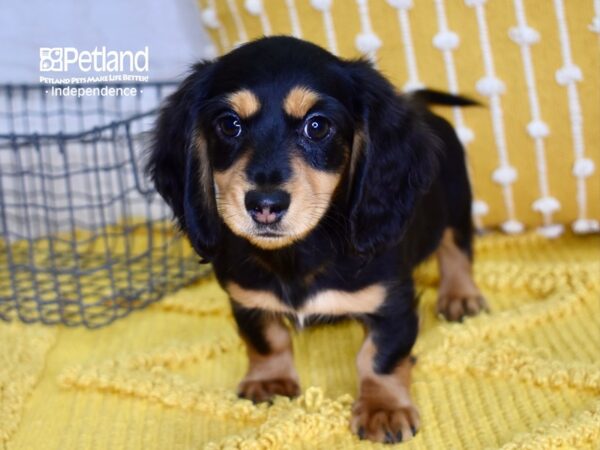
(317, 128)
(230, 126)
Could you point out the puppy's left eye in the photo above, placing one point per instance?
(230, 126)
(317, 128)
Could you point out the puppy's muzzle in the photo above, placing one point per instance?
(267, 207)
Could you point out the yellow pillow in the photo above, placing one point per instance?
(534, 149)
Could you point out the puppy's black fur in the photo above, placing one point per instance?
(403, 182)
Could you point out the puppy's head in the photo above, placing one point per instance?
(267, 138)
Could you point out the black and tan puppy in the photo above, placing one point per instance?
(314, 189)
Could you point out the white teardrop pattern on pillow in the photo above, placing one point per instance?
(400, 4)
(583, 226)
(473, 3)
(595, 25)
(568, 74)
(551, 231)
(465, 134)
(209, 18)
(490, 85)
(480, 208)
(546, 205)
(538, 129)
(446, 40)
(254, 7)
(367, 42)
(505, 175)
(583, 167)
(321, 5)
(512, 227)
(524, 35)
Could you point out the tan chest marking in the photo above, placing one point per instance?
(327, 302)
(254, 298)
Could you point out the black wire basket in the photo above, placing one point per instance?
(84, 238)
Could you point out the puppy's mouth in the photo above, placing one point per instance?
(272, 231)
(269, 234)
(270, 237)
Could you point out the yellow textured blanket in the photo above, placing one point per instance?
(526, 376)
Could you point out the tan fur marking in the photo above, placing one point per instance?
(455, 267)
(391, 389)
(458, 293)
(384, 403)
(279, 362)
(358, 143)
(299, 101)
(231, 186)
(253, 298)
(311, 192)
(244, 102)
(332, 302)
(205, 172)
(273, 373)
(327, 302)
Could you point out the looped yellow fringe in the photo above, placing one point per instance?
(526, 376)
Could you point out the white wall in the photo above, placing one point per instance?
(171, 29)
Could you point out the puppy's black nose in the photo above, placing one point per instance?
(267, 207)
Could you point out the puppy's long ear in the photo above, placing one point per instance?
(395, 166)
(179, 166)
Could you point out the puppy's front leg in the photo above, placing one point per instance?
(270, 358)
(384, 411)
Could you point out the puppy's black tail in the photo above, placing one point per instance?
(433, 97)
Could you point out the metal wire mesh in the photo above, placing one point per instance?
(84, 238)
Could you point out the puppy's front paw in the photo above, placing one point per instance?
(455, 307)
(264, 390)
(382, 424)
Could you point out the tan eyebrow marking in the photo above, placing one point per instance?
(299, 101)
(244, 102)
